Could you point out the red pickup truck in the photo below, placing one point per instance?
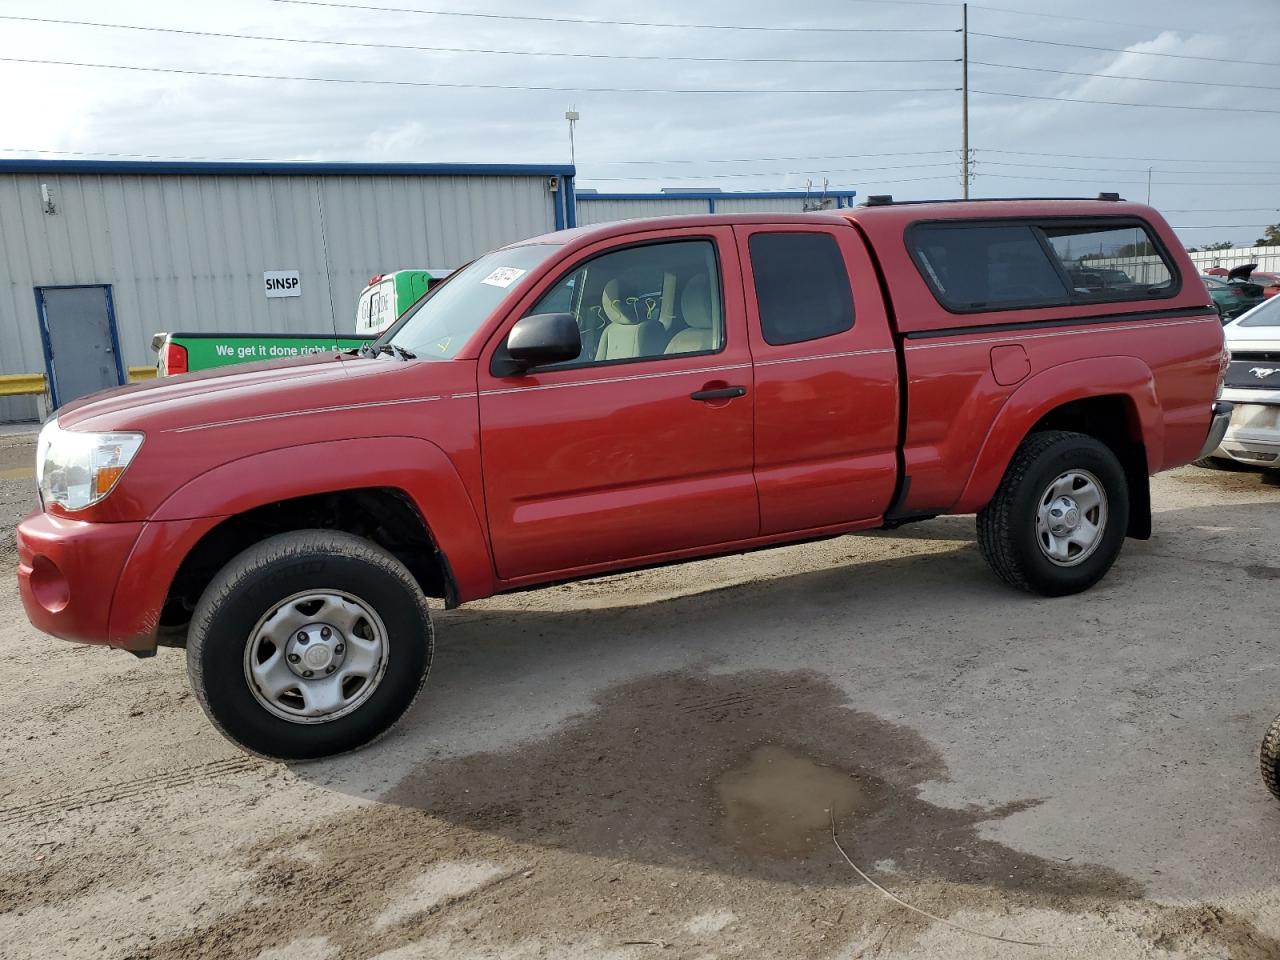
(618, 396)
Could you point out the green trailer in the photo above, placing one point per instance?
(388, 295)
(381, 303)
(190, 352)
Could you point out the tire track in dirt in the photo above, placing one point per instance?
(50, 808)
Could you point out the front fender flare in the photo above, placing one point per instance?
(416, 467)
(1129, 377)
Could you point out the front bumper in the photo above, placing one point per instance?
(102, 583)
(1217, 427)
(67, 573)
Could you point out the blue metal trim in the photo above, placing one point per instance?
(115, 334)
(44, 344)
(299, 168)
(571, 197)
(711, 204)
(846, 195)
(42, 318)
(557, 205)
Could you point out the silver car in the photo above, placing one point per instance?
(1253, 386)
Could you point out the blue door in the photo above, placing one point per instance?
(79, 332)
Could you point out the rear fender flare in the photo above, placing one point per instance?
(1040, 395)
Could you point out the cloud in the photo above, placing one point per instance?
(120, 112)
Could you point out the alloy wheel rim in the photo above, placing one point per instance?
(316, 656)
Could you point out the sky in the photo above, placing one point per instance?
(749, 116)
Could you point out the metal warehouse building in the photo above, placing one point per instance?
(593, 207)
(96, 256)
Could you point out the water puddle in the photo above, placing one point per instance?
(779, 804)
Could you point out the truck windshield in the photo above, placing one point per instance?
(446, 318)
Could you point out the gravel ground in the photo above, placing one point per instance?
(649, 764)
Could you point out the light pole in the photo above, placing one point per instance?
(572, 116)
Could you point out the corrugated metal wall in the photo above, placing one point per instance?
(188, 252)
(602, 208)
(592, 210)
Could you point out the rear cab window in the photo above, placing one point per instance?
(802, 287)
(975, 265)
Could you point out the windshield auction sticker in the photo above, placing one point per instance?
(504, 276)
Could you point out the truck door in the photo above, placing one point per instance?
(642, 446)
(826, 376)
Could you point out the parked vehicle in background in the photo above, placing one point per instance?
(1253, 388)
(1232, 299)
(387, 296)
(1093, 279)
(1268, 280)
(192, 352)
(535, 420)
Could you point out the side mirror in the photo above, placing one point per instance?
(540, 339)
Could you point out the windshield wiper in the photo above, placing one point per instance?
(397, 351)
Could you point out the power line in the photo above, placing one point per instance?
(911, 3)
(1103, 156)
(150, 156)
(530, 18)
(1085, 46)
(1063, 16)
(584, 179)
(1222, 226)
(1154, 183)
(1124, 103)
(1059, 166)
(1218, 210)
(1053, 16)
(465, 86)
(433, 49)
(778, 173)
(1113, 76)
(843, 156)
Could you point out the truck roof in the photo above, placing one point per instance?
(881, 212)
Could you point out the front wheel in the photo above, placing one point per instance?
(1059, 517)
(309, 644)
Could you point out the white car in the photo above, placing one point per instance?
(1253, 386)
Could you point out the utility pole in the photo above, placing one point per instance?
(964, 99)
(1148, 186)
(572, 116)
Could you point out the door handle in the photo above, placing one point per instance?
(721, 393)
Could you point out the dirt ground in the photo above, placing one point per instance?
(648, 765)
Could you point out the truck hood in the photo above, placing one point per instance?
(260, 390)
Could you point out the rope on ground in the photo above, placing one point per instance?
(924, 913)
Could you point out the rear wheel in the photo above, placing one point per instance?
(1058, 519)
(309, 644)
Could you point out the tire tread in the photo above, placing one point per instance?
(1269, 758)
(995, 520)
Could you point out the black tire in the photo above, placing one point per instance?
(1007, 525)
(263, 577)
(1270, 758)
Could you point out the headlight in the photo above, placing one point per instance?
(76, 470)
